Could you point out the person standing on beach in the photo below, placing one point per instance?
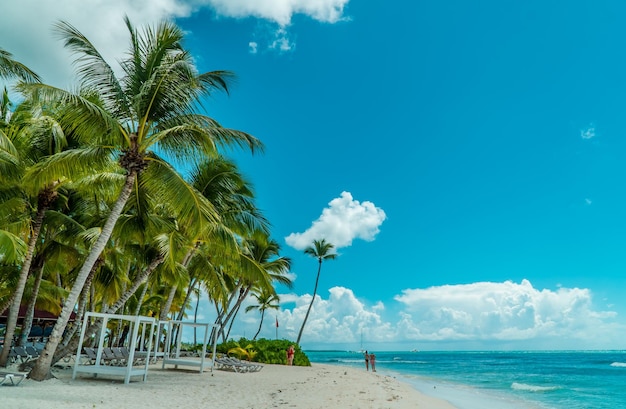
(373, 362)
(367, 361)
(290, 354)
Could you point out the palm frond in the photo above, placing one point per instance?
(10, 68)
(187, 204)
(68, 165)
(92, 69)
(12, 248)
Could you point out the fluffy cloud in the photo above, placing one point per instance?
(508, 311)
(26, 26)
(343, 221)
(26, 29)
(281, 12)
(481, 315)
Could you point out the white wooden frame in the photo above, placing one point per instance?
(127, 371)
(171, 356)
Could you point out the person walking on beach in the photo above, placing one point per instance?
(367, 361)
(373, 361)
(290, 353)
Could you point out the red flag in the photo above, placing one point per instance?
(276, 322)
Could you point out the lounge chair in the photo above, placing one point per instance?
(19, 353)
(109, 356)
(32, 352)
(10, 378)
(236, 365)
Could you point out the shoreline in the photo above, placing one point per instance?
(315, 387)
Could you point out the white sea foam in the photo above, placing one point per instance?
(619, 364)
(532, 388)
(464, 396)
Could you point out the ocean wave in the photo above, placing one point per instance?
(619, 364)
(532, 388)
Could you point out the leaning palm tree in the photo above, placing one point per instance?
(151, 109)
(265, 299)
(322, 250)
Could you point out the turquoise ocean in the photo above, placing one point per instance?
(515, 380)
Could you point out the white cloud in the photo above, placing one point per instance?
(343, 221)
(26, 29)
(508, 311)
(481, 315)
(282, 41)
(588, 132)
(26, 25)
(281, 11)
(253, 47)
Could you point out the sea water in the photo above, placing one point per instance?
(512, 380)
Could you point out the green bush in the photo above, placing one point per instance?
(268, 351)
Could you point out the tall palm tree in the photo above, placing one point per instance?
(261, 267)
(322, 250)
(150, 109)
(265, 300)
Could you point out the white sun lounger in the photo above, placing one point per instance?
(9, 378)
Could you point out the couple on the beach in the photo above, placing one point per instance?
(370, 359)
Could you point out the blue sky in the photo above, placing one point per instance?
(468, 159)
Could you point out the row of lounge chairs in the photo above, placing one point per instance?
(236, 365)
(23, 354)
(117, 356)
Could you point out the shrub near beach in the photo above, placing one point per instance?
(264, 351)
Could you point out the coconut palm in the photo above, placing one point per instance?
(36, 135)
(265, 300)
(231, 194)
(151, 109)
(261, 267)
(322, 250)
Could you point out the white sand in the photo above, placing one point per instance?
(275, 386)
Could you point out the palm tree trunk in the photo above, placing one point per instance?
(233, 313)
(165, 309)
(260, 325)
(7, 303)
(140, 299)
(181, 313)
(195, 317)
(29, 316)
(41, 370)
(306, 317)
(21, 284)
(95, 327)
(220, 317)
(170, 299)
(82, 307)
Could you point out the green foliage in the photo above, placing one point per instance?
(248, 353)
(268, 351)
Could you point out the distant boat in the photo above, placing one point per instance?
(361, 351)
(414, 350)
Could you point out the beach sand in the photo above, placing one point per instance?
(275, 386)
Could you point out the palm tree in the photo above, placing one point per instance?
(261, 267)
(265, 300)
(322, 250)
(36, 135)
(12, 247)
(150, 109)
